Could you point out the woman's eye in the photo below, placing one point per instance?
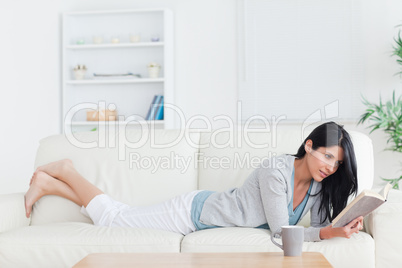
(328, 156)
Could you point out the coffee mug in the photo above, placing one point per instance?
(292, 239)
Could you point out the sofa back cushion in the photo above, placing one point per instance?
(223, 166)
(137, 167)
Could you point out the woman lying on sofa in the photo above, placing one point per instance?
(319, 177)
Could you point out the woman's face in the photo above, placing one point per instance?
(324, 161)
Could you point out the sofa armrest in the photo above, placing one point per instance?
(384, 225)
(12, 211)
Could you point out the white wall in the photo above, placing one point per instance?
(30, 108)
(205, 70)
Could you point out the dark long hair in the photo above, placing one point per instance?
(337, 187)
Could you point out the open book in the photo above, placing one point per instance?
(362, 205)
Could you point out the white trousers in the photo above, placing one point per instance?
(173, 215)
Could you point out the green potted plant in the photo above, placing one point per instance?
(388, 116)
(397, 49)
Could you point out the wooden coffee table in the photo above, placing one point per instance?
(198, 260)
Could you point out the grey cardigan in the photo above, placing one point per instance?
(263, 198)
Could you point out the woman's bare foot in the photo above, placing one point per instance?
(43, 184)
(67, 183)
(38, 188)
(54, 169)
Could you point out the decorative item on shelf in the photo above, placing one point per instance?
(79, 72)
(115, 40)
(97, 39)
(155, 38)
(135, 38)
(155, 111)
(153, 70)
(80, 41)
(102, 115)
(123, 75)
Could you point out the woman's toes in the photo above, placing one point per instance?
(41, 184)
(27, 211)
(31, 196)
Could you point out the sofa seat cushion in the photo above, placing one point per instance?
(230, 239)
(61, 244)
(358, 251)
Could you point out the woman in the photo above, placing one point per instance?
(319, 178)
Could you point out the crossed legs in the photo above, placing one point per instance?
(59, 178)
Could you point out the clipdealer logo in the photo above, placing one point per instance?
(115, 136)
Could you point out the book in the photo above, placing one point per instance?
(362, 205)
(158, 105)
(159, 113)
(152, 108)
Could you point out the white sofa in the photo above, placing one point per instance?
(58, 235)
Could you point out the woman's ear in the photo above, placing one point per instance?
(308, 146)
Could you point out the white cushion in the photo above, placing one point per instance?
(243, 156)
(64, 244)
(384, 224)
(122, 171)
(230, 239)
(12, 211)
(365, 159)
(357, 251)
(228, 160)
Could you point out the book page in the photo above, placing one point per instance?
(363, 207)
(384, 192)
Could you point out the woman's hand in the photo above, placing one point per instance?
(353, 227)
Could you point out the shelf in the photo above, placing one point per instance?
(120, 45)
(96, 123)
(115, 81)
(113, 12)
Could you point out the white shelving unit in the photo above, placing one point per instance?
(131, 96)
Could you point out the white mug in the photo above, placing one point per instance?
(292, 239)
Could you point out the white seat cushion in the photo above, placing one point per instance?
(231, 239)
(357, 251)
(64, 244)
